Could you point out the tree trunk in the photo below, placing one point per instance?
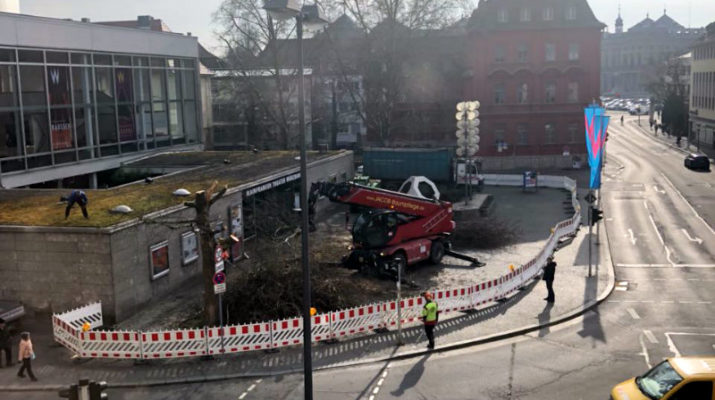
(202, 206)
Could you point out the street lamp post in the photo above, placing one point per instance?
(309, 14)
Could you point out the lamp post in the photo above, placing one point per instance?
(467, 140)
(309, 14)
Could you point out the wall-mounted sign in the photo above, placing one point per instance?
(159, 259)
(189, 247)
(271, 185)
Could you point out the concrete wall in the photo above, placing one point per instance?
(55, 269)
(509, 163)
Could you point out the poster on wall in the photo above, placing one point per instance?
(58, 84)
(189, 247)
(123, 81)
(235, 215)
(159, 259)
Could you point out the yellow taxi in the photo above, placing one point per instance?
(677, 378)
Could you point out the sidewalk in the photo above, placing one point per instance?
(523, 312)
(686, 147)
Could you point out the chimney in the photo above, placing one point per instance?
(86, 20)
(144, 21)
(10, 6)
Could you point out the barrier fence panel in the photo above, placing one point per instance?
(451, 300)
(111, 344)
(357, 320)
(91, 313)
(411, 311)
(485, 292)
(321, 328)
(287, 332)
(239, 338)
(174, 344)
(65, 334)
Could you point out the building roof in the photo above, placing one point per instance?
(40, 207)
(486, 16)
(142, 22)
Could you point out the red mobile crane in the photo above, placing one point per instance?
(397, 230)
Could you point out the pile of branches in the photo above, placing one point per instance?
(485, 233)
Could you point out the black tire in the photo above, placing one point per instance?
(436, 252)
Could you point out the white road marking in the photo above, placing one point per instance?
(376, 390)
(633, 313)
(688, 203)
(621, 288)
(655, 187)
(379, 382)
(671, 345)
(644, 351)
(645, 204)
(685, 302)
(650, 336)
(633, 238)
(667, 301)
(696, 239)
(666, 266)
(652, 221)
(250, 388)
(242, 396)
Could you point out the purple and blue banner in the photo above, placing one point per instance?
(596, 128)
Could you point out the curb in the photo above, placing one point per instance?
(409, 354)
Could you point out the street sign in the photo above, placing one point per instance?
(218, 258)
(590, 197)
(219, 281)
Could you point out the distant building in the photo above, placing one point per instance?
(78, 98)
(702, 93)
(629, 58)
(535, 66)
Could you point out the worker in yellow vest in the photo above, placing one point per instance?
(429, 317)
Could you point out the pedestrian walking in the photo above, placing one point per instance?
(549, 271)
(657, 126)
(430, 314)
(651, 122)
(621, 119)
(5, 344)
(79, 197)
(25, 356)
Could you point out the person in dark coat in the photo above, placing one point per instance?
(5, 344)
(549, 271)
(79, 197)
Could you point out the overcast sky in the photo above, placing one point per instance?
(196, 16)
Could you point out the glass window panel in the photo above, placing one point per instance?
(65, 157)
(142, 87)
(174, 84)
(141, 61)
(123, 78)
(81, 58)
(8, 86)
(127, 129)
(61, 128)
(175, 120)
(144, 122)
(33, 85)
(82, 84)
(161, 127)
(37, 131)
(102, 59)
(109, 150)
(10, 143)
(122, 60)
(84, 121)
(550, 93)
(157, 62)
(157, 85)
(56, 57)
(7, 55)
(550, 52)
(189, 88)
(522, 93)
(12, 165)
(190, 121)
(107, 123)
(39, 161)
(58, 84)
(189, 63)
(30, 56)
(105, 85)
(171, 63)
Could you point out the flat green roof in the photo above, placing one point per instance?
(41, 207)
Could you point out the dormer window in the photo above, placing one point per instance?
(525, 15)
(548, 14)
(502, 16)
(571, 13)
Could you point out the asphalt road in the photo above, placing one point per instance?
(659, 218)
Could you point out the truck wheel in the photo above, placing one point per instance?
(436, 252)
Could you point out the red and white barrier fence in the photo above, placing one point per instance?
(68, 326)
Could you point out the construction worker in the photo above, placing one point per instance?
(429, 317)
(79, 197)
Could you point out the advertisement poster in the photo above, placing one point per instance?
(58, 84)
(159, 259)
(189, 247)
(123, 78)
(236, 216)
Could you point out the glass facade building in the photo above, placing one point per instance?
(66, 106)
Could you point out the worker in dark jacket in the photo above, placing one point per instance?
(5, 344)
(549, 271)
(429, 317)
(79, 197)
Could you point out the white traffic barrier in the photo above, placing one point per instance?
(485, 292)
(357, 320)
(321, 328)
(286, 332)
(174, 344)
(65, 334)
(240, 338)
(111, 344)
(411, 310)
(452, 300)
(91, 313)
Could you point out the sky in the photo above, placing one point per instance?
(195, 16)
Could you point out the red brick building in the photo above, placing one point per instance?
(535, 65)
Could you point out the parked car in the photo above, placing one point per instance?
(697, 161)
(677, 378)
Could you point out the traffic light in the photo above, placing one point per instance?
(96, 390)
(596, 215)
(72, 393)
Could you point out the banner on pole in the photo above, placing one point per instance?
(596, 124)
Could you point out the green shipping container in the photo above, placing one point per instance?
(399, 164)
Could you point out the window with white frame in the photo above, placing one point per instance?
(573, 133)
(522, 93)
(499, 54)
(548, 14)
(522, 53)
(574, 52)
(522, 134)
(572, 92)
(571, 13)
(550, 93)
(549, 133)
(499, 93)
(502, 16)
(525, 15)
(550, 54)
